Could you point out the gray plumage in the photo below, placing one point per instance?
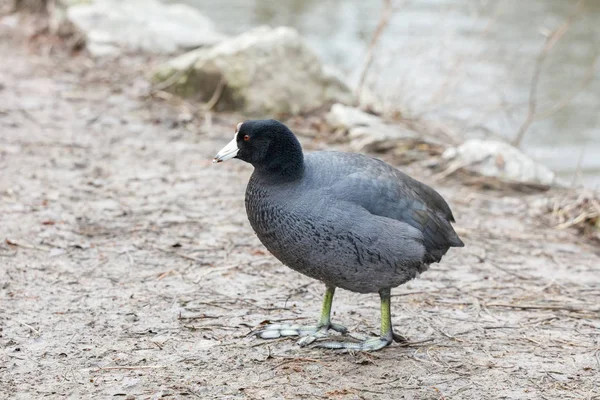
(351, 221)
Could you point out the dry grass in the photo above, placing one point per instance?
(580, 210)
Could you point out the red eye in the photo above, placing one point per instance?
(246, 138)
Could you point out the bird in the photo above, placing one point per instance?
(348, 220)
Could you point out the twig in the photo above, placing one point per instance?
(130, 258)
(71, 338)
(194, 317)
(577, 173)
(29, 116)
(544, 307)
(508, 271)
(551, 40)
(132, 367)
(291, 360)
(192, 109)
(30, 327)
(193, 393)
(410, 344)
(533, 341)
(167, 273)
(214, 99)
(384, 19)
(452, 168)
(266, 343)
(449, 336)
(415, 292)
(366, 390)
(207, 272)
(187, 257)
(171, 80)
(589, 75)
(579, 219)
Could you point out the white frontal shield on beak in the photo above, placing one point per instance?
(227, 152)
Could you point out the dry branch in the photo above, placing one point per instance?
(132, 367)
(381, 25)
(589, 75)
(29, 326)
(581, 212)
(545, 307)
(551, 40)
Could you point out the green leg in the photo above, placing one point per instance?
(325, 320)
(309, 333)
(326, 309)
(371, 344)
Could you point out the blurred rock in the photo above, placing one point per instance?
(498, 159)
(10, 21)
(263, 72)
(370, 133)
(58, 21)
(346, 117)
(140, 25)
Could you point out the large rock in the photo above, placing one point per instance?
(265, 72)
(498, 159)
(141, 25)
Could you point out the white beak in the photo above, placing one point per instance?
(227, 152)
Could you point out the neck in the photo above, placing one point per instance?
(289, 164)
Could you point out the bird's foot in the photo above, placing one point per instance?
(308, 334)
(321, 333)
(372, 344)
(364, 343)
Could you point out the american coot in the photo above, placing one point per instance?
(348, 220)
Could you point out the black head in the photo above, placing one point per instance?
(268, 145)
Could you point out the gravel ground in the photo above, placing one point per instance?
(128, 268)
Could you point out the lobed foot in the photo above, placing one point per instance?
(308, 333)
(364, 343)
(372, 344)
(323, 332)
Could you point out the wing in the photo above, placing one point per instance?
(384, 191)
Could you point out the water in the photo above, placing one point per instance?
(467, 63)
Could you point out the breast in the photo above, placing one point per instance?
(322, 239)
(281, 226)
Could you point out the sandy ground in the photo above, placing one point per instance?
(128, 268)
